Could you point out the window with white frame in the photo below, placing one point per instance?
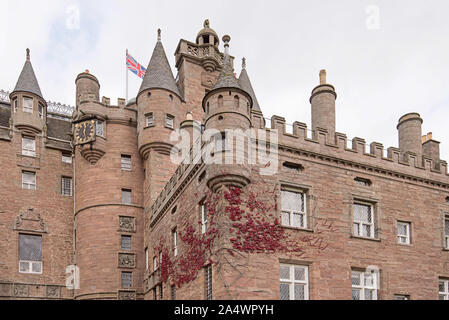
(30, 254)
(443, 289)
(67, 158)
(150, 120)
(28, 147)
(294, 212)
(16, 105)
(446, 232)
(294, 282)
(67, 186)
(40, 109)
(364, 220)
(126, 163)
(27, 105)
(126, 196)
(169, 121)
(146, 259)
(99, 128)
(204, 217)
(208, 282)
(127, 279)
(364, 285)
(28, 180)
(403, 232)
(175, 242)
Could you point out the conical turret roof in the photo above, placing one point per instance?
(245, 84)
(27, 80)
(227, 79)
(159, 74)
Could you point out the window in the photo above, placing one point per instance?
(28, 180)
(16, 105)
(220, 142)
(161, 292)
(126, 196)
(294, 209)
(401, 297)
(126, 163)
(155, 264)
(363, 182)
(208, 282)
(147, 257)
(67, 186)
(220, 101)
(41, 110)
(175, 242)
(236, 102)
(294, 282)
(126, 243)
(446, 232)
(150, 120)
(127, 279)
(364, 285)
(204, 217)
(403, 232)
(169, 121)
(100, 128)
(363, 220)
(28, 147)
(443, 288)
(173, 292)
(28, 105)
(67, 158)
(30, 254)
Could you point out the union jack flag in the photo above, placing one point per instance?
(135, 67)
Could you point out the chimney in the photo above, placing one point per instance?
(431, 149)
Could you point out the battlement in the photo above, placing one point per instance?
(356, 150)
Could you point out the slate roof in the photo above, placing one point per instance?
(27, 80)
(227, 79)
(245, 84)
(159, 74)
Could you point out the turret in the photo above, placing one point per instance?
(87, 88)
(323, 108)
(410, 135)
(207, 36)
(29, 108)
(227, 110)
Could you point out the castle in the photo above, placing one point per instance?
(93, 207)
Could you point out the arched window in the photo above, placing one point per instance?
(220, 101)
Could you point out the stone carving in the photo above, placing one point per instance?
(53, 292)
(192, 50)
(206, 51)
(126, 260)
(30, 221)
(21, 290)
(5, 289)
(127, 295)
(127, 224)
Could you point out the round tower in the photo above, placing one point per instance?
(227, 110)
(323, 107)
(160, 112)
(28, 107)
(410, 134)
(108, 197)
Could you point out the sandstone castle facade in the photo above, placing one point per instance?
(93, 207)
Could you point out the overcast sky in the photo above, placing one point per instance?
(385, 58)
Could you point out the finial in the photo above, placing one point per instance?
(226, 40)
(189, 116)
(159, 34)
(244, 63)
(323, 76)
(206, 23)
(28, 54)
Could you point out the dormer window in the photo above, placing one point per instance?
(27, 105)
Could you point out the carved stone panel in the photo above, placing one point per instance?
(5, 289)
(30, 221)
(127, 295)
(53, 292)
(208, 79)
(126, 260)
(127, 224)
(21, 290)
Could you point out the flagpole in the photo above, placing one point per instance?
(127, 76)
